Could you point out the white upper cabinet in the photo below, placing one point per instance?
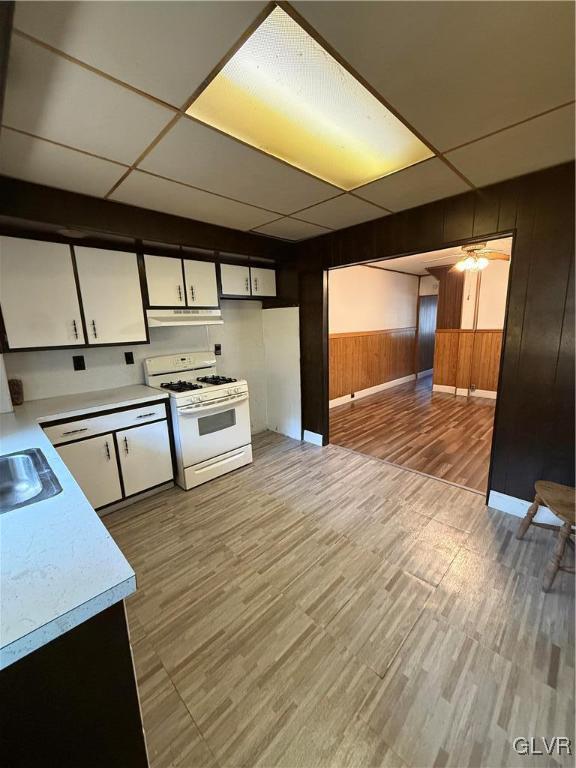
(235, 280)
(165, 281)
(263, 281)
(38, 294)
(201, 285)
(111, 296)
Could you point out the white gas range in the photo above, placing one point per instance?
(210, 415)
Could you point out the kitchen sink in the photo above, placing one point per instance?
(25, 478)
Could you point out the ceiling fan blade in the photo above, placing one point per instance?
(495, 255)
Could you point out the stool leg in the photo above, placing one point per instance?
(556, 562)
(527, 520)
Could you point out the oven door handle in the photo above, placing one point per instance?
(200, 408)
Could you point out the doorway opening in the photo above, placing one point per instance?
(415, 345)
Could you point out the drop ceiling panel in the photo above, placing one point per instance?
(456, 71)
(201, 156)
(147, 191)
(420, 184)
(163, 48)
(539, 143)
(291, 229)
(343, 211)
(43, 163)
(55, 99)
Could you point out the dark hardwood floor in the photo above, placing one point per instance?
(438, 434)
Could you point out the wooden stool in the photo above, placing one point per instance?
(561, 500)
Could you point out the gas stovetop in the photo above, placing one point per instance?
(216, 380)
(180, 386)
(183, 374)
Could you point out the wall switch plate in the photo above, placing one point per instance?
(79, 362)
(217, 349)
(129, 357)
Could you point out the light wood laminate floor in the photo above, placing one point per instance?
(324, 608)
(432, 432)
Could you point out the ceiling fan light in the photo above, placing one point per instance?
(461, 265)
(482, 262)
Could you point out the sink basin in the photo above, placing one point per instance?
(25, 478)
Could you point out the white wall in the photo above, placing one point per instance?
(493, 281)
(428, 286)
(50, 373)
(493, 288)
(368, 299)
(243, 357)
(282, 353)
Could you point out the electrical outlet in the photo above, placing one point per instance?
(129, 357)
(217, 349)
(79, 362)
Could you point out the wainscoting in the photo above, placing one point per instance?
(467, 358)
(364, 359)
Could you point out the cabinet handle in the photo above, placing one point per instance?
(145, 415)
(75, 329)
(192, 294)
(256, 284)
(107, 450)
(126, 449)
(94, 329)
(179, 293)
(247, 286)
(75, 431)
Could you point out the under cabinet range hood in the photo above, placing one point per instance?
(167, 317)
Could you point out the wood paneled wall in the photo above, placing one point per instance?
(427, 308)
(450, 290)
(466, 358)
(534, 422)
(366, 358)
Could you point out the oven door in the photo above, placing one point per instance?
(210, 430)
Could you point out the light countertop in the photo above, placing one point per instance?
(59, 566)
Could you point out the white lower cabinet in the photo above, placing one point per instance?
(145, 457)
(93, 464)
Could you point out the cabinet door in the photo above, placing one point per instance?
(145, 456)
(38, 294)
(165, 281)
(94, 467)
(235, 280)
(263, 281)
(201, 285)
(111, 296)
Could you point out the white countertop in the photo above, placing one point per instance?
(59, 566)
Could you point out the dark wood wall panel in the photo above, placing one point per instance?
(314, 351)
(427, 308)
(533, 435)
(450, 290)
(26, 206)
(365, 359)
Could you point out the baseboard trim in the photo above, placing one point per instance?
(519, 507)
(489, 393)
(421, 374)
(371, 390)
(444, 388)
(461, 391)
(312, 437)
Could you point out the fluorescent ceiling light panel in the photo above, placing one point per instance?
(284, 94)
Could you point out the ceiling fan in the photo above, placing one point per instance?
(476, 257)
